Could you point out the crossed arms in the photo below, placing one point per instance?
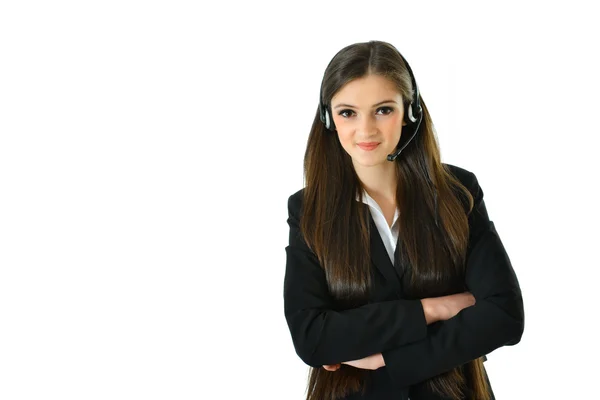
(412, 350)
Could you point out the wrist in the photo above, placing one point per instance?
(430, 310)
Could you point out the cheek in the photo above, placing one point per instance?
(345, 136)
(393, 121)
(392, 126)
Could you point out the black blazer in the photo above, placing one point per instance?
(396, 327)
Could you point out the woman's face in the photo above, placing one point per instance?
(368, 110)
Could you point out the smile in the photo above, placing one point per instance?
(368, 146)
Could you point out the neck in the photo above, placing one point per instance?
(380, 180)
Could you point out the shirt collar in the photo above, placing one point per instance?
(371, 202)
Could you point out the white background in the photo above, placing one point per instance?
(148, 149)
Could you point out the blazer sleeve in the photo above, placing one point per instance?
(323, 335)
(497, 318)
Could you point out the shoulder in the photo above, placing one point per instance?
(466, 177)
(295, 202)
(469, 181)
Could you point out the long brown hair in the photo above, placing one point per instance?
(337, 229)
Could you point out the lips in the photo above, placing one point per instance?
(368, 145)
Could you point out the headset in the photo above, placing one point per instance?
(415, 116)
(413, 110)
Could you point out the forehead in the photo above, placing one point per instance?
(366, 91)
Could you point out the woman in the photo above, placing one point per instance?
(397, 284)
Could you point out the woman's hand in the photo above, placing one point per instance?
(371, 362)
(332, 367)
(453, 304)
(446, 307)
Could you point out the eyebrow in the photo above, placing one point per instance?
(374, 105)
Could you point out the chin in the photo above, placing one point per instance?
(370, 161)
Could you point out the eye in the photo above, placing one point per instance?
(345, 111)
(388, 110)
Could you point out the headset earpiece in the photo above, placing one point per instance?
(411, 115)
(326, 117)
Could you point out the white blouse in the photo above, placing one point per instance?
(389, 236)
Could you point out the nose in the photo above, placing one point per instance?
(368, 125)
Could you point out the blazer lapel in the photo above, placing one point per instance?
(382, 261)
